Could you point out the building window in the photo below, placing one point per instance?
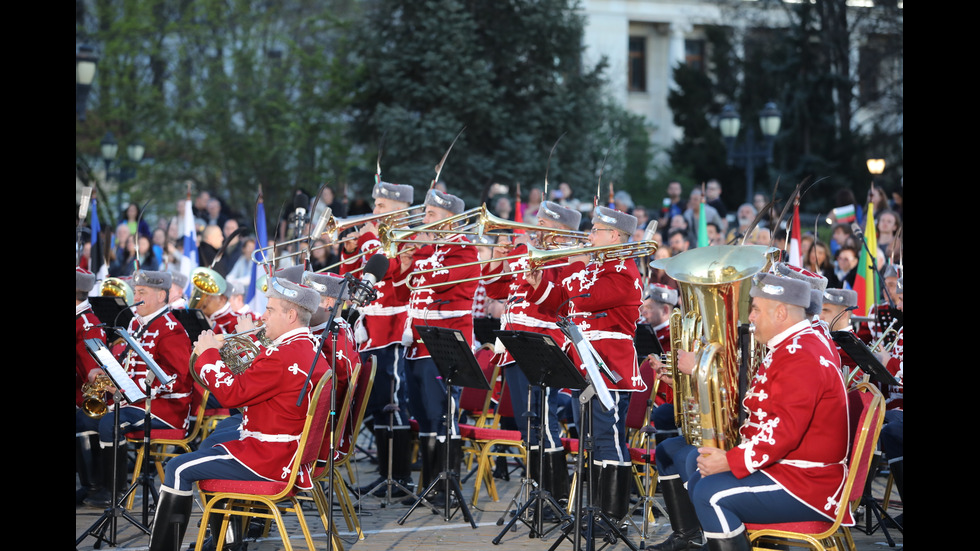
(638, 64)
(694, 54)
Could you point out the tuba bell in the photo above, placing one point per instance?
(205, 282)
(116, 287)
(714, 283)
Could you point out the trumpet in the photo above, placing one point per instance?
(237, 351)
(879, 345)
(94, 403)
(538, 259)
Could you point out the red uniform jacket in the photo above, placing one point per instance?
(895, 398)
(224, 320)
(347, 360)
(521, 314)
(796, 432)
(606, 317)
(381, 322)
(449, 303)
(166, 341)
(266, 393)
(85, 328)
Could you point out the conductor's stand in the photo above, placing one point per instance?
(455, 361)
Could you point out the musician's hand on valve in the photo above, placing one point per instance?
(685, 361)
(206, 341)
(245, 323)
(712, 461)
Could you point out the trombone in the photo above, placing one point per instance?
(476, 222)
(538, 259)
(333, 227)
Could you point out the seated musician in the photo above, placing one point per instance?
(789, 463)
(267, 392)
(165, 340)
(655, 311)
(836, 313)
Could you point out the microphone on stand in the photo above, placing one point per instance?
(362, 291)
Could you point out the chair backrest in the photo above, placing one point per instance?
(866, 407)
(638, 414)
(327, 446)
(316, 423)
(476, 402)
(357, 407)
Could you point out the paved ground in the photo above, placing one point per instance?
(425, 531)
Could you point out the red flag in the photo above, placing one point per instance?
(518, 210)
(795, 238)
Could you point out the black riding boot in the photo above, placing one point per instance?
(683, 518)
(170, 521)
(429, 456)
(555, 480)
(381, 440)
(736, 543)
(102, 497)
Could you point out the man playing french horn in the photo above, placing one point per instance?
(165, 340)
(267, 392)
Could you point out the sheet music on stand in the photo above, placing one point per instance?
(130, 390)
(646, 342)
(593, 364)
(193, 320)
(453, 357)
(151, 364)
(863, 357)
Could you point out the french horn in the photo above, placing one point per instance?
(237, 351)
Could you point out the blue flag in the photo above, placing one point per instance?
(260, 243)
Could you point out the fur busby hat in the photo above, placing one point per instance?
(570, 218)
(781, 289)
(446, 201)
(395, 192)
(623, 222)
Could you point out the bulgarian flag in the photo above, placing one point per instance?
(865, 282)
(795, 238)
(845, 214)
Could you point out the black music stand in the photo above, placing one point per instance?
(453, 357)
(128, 390)
(193, 320)
(111, 311)
(596, 388)
(863, 357)
(646, 342)
(870, 364)
(545, 364)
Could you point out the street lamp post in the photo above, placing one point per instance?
(749, 152)
(85, 61)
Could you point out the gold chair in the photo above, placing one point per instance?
(262, 499)
(867, 411)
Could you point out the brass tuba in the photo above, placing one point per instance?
(714, 283)
(116, 287)
(237, 351)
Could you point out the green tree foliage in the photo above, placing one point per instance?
(508, 71)
(798, 55)
(229, 95)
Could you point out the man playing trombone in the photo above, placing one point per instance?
(438, 297)
(510, 285)
(378, 331)
(602, 297)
